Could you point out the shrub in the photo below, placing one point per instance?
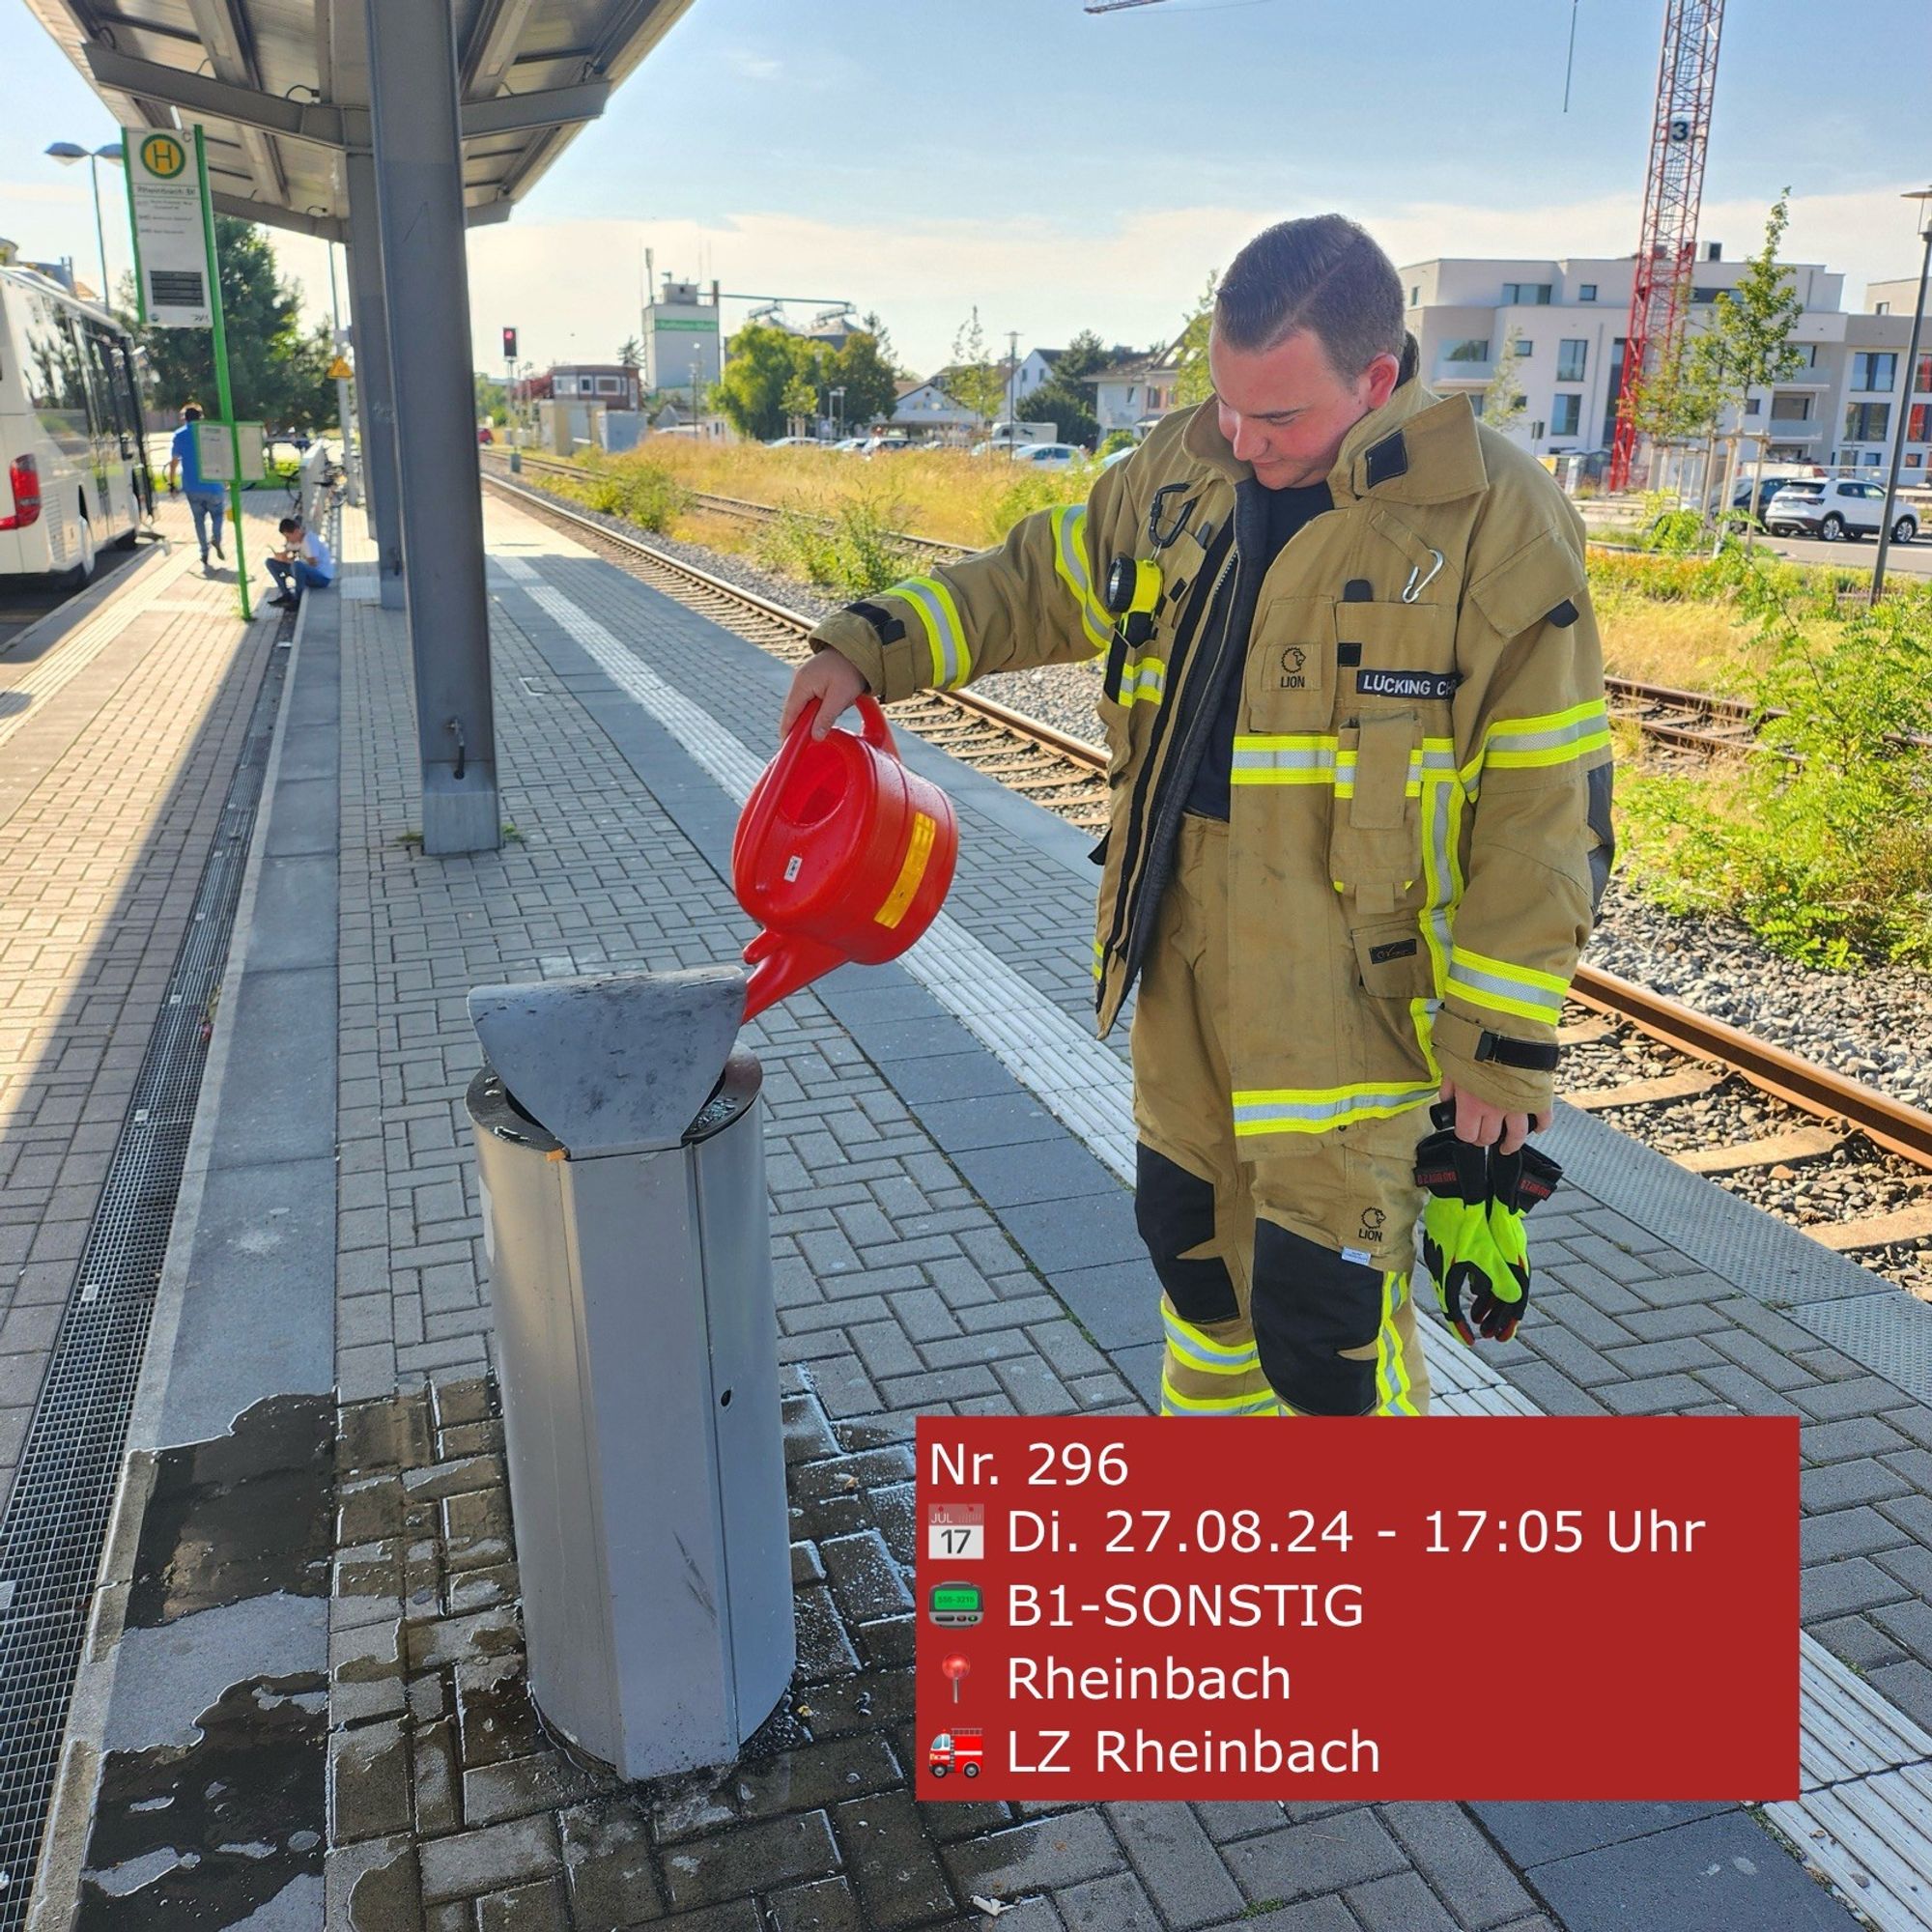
(1030, 491)
(1823, 843)
(641, 492)
(853, 553)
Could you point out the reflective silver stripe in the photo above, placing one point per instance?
(1321, 758)
(1315, 1108)
(1144, 678)
(932, 603)
(1069, 531)
(1197, 1351)
(1520, 993)
(1591, 725)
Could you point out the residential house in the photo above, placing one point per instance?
(1134, 394)
(1568, 317)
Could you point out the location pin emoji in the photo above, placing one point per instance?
(955, 1667)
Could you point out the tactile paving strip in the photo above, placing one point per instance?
(57, 1515)
(1888, 1332)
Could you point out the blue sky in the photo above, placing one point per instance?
(1061, 170)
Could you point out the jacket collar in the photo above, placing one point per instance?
(1417, 448)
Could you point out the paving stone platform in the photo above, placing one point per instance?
(950, 1233)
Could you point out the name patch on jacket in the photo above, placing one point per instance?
(1395, 948)
(1408, 683)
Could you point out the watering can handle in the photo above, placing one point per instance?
(872, 726)
(764, 802)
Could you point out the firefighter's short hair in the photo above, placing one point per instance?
(1322, 273)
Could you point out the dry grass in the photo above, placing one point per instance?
(1656, 628)
(1695, 646)
(940, 493)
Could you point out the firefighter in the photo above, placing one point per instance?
(1359, 819)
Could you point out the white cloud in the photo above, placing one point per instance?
(573, 287)
(63, 191)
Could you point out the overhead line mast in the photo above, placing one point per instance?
(1667, 255)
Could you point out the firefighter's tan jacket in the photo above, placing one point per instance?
(1409, 824)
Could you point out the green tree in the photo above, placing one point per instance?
(974, 381)
(872, 323)
(1066, 398)
(863, 369)
(752, 391)
(1754, 322)
(1503, 403)
(1195, 384)
(277, 373)
(801, 403)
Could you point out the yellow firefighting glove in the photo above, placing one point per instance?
(1518, 1182)
(1474, 1241)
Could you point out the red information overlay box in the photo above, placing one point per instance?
(1470, 1609)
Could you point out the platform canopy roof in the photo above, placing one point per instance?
(281, 88)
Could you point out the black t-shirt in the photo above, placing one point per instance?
(1288, 511)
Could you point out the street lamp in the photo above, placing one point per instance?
(67, 152)
(1922, 196)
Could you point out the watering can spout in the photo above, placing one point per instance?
(781, 963)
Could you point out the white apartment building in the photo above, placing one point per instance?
(1570, 317)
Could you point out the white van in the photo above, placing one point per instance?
(73, 469)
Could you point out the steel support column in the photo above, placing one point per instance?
(375, 378)
(426, 290)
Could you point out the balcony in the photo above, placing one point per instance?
(1451, 373)
(1791, 429)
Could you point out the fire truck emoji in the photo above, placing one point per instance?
(960, 1750)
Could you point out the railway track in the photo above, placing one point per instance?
(1698, 722)
(1839, 1118)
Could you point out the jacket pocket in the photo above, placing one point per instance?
(1375, 836)
(1115, 735)
(1395, 654)
(1393, 976)
(1288, 674)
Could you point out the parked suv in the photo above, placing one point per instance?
(1833, 507)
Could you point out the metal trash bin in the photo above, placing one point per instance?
(623, 1180)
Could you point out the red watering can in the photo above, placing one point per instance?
(841, 853)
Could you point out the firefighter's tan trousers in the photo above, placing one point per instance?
(1264, 1312)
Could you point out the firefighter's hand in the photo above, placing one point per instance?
(834, 681)
(1482, 1124)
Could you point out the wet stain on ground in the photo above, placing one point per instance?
(207, 1835)
(242, 1515)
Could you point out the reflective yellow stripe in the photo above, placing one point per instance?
(1203, 1353)
(1393, 1384)
(1070, 561)
(1552, 739)
(1319, 758)
(931, 599)
(1314, 1110)
(1100, 960)
(1503, 988)
(1145, 679)
(1173, 1403)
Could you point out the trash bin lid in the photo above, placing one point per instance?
(613, 1063)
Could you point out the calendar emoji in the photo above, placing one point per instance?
(956, 1532)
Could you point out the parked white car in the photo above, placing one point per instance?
(1047, 455)
(1835, 507)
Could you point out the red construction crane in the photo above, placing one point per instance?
(1666, 254)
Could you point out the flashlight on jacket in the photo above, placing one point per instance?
(1132, 594)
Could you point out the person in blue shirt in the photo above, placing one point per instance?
(302, 563)
(204, 498)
